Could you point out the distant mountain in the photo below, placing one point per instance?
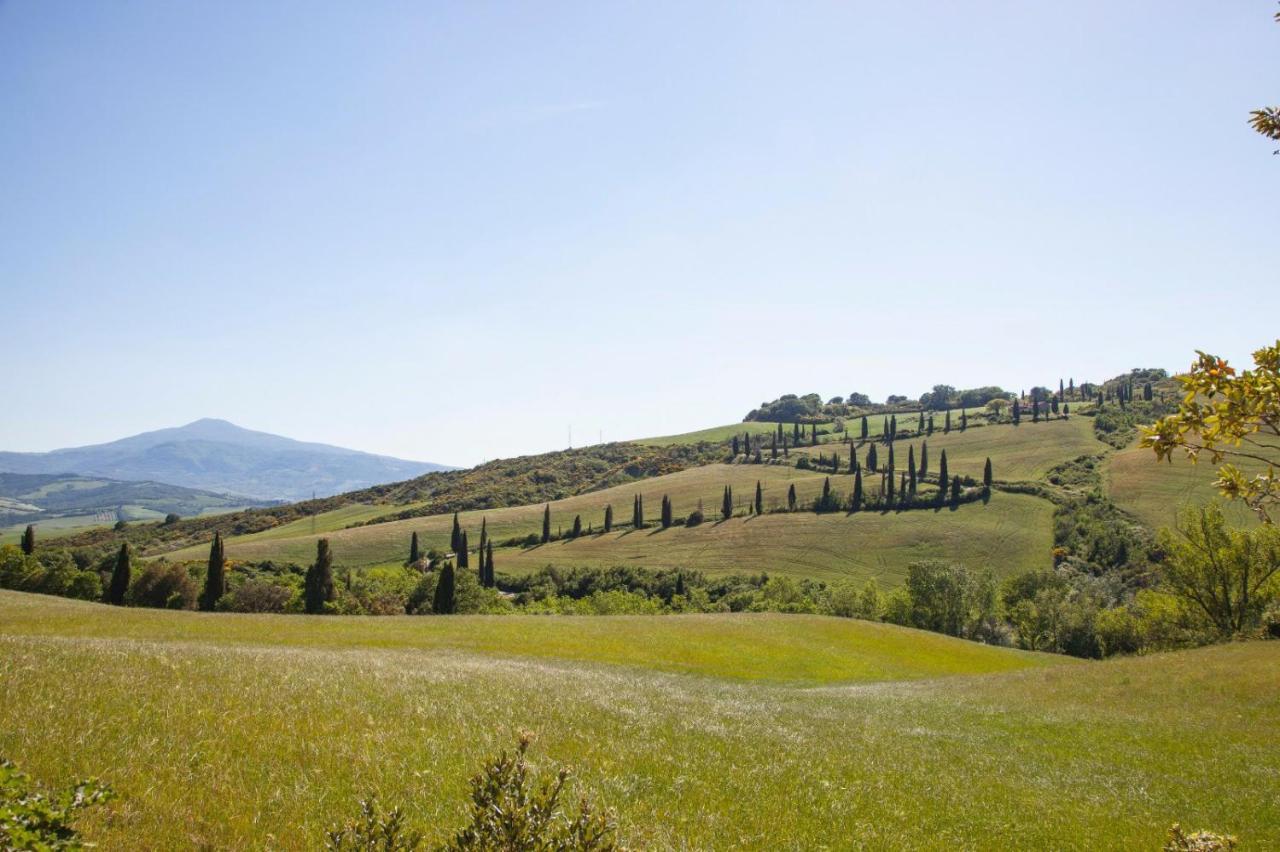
(215, 455)
(37, 497)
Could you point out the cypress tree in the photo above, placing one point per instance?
(911, 469)
(920, 424)
(455, 540)
(864, 427)
(884, 431)
(1017, 411)
(791, 497)
(414, 553)
(929, 426)
(795, 433)
(488, 568)
(758, 458)
(577, 527)
(892, 465)
(608, 518)
(872, 461)
(946, 424)
(317, 586)
(893, 428)
(759, 499)
(546, 523)
(835, 462)
(464, 557)
(680, 584)
(120, 577)
(889, 477)
(1035, 411)
(666, 512)
(215, 578)
(855, 504)
(924, 459)
(444, 603)
(1071, 387)
(29, 540)
(942, 476)
(1061, 389)
(964, 420)
(726, 505)
(773, 448)
(813, 434)
(778, 436)
(986, 474)
(853, 459)
(955, 490)
(786, 453)
(826, 495)
(735, 446)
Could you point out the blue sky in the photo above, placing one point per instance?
(450, 231)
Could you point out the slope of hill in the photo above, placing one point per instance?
(266, 730)
(219, 456)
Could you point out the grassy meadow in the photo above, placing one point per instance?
(1154, 491)
(261, 731)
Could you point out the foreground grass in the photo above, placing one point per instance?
(226, 745)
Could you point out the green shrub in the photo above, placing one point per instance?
(163, 586)
(32, 820)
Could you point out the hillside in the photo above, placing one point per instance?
(63, 502)
(215, 455)
(265, 730)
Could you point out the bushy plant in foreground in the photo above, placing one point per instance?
(509, 811)
(32, 820)
(1200, 841)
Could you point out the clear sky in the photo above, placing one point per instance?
(449, 231)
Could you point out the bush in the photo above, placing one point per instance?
(163, 586)
(695, 518)
(31, 820)
(1201, 841)
(257, 595)
(509, 811)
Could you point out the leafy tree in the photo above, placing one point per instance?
(29, 540)
(1231, 418)
(215, 578)
(759, 499)
(608, 518)
(317, 586)
(546, 524)
(1227, 574)
(986, 473)
(444, 601)
(120, 577)
(414, 553)
(791, 497)
(726, 504)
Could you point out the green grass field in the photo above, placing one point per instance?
(1011, 534)
(1017, 453)
(261, 731)
(1155, 491)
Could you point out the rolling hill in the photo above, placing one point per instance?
(242, 731)
(215, 455)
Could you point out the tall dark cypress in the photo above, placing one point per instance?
(639, 511)
(826, 495)
(546, 523)
(920, 424)
(414, 553)
(608, 518)
(215, 578)
(855, 505)
(955, 491)
(29, 540)
(872, 461)
(666, 512)
(986, 473)
(884, 430)
(911, 469)
(1017, 411)
(735, 446)
(464, 556)
(946, 424)
(759, 499)
(577, 527)
(929, 426)
(791, 497)
(488, 568)
(864, 427)
(853, 459)
(484, 539)
(773, 448)
(892, 465)
(726, 504)
(889, 479)
(813, 434)
(120, 576)
(455, 540)
(444, 602)
(924, 459)
(943, 478)
(795, 433)
(1035, 411)
(317, 586)
(893, 428)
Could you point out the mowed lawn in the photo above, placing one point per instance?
(220, 737)
(1011, 534)
(1155, 491)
